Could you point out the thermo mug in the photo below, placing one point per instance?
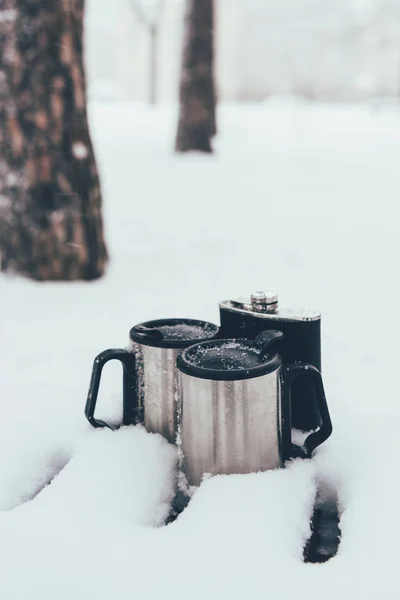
(236, 407)
(150, 379)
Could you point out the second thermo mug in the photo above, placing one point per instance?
(236, 407)
(150, 377)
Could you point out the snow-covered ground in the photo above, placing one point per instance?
(302, 199)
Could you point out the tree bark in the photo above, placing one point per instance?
(50, 203)
(197, 122)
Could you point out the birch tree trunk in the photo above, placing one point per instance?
(50, 204)
(197, 123)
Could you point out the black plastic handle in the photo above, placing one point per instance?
(266, 341)
(289, 375)
(127, 360)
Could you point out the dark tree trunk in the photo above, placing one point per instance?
(197, 123)
(50, 204)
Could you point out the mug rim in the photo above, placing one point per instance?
(188, 368)
(141, 338)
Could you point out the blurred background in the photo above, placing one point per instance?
(339, 50)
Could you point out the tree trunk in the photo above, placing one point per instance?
(197, 123)
(50, 204)
(153, 70)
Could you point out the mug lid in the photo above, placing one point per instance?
(232, 359)
(173, 333)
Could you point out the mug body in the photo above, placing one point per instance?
(157, 389)
(231, 426)
(156, 345)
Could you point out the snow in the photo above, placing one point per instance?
(300, 198)
(79, 150)
(8, 15)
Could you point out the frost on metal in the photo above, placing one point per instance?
(50, 221)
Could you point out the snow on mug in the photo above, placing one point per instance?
(150, 378)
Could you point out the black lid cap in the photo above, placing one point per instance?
(173, 333)
(233, 359)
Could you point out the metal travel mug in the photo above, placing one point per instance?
(247, 317)
(236, 407)
(150, 384)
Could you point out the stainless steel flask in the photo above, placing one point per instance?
(150, 390)
(236, 407)
(247, 317)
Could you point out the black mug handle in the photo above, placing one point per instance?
(289, 375)
(127, 360)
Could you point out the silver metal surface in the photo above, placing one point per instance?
(244, 306)
(158, 388)
(264, 301)
(230, 426)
